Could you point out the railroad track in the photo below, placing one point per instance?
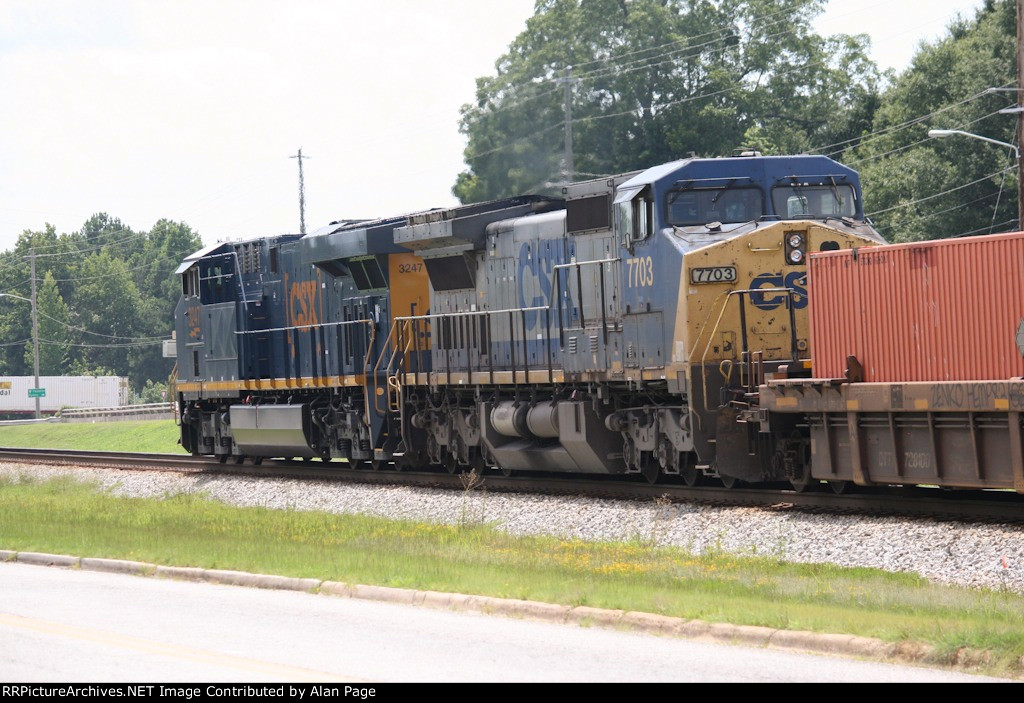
(960, 505)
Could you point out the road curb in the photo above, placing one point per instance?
(582, 616)
(41, 559)
(117, 566)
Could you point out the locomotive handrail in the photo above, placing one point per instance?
(369, 342)
(788, 292)
(241, 285)
(387, 367)
(376, 367)
(306, 327)
(488, 313)
(557, 285)
(468, 313)
(584, 263)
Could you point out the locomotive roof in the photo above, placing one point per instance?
(196, 256)
(760, 169)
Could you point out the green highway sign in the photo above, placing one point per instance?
(36, 392)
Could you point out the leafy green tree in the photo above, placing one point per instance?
(54, 332)
(106, 298)
(152, 392)
(103, 231)
(107, 304)
(167, 243)
(656, 80)
(920, 188)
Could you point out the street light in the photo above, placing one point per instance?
(940, 133)
(35, 339)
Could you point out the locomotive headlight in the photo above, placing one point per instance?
(795, 247)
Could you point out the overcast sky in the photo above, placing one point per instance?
(189, 109)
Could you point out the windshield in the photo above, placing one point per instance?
(699, 207)
(813, 201)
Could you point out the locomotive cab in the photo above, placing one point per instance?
(713, 272)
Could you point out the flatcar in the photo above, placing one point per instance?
(918, 374)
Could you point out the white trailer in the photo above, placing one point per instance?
(63, 392)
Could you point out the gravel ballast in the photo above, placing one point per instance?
(990, 556)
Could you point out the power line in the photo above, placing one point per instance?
(151, 264)
(945, 192)
(646, 63)
(982, 229)
(529, 138)
(913, 144)
(98, 334)
(877, 134)
(126, 345)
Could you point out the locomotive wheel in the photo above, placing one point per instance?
(650, 468)
(240, 459)
(803, 484)
(223, 458)
(729, 481)
(257, 460)
(377, 464)
(839, 487)
(691, 477)
(506, 472)
(411, 460)
(450, 463)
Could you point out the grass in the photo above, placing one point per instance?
(64, 516)
(156, 436)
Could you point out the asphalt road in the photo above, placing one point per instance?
(62, 625)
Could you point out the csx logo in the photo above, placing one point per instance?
(794, 280)
(302, 304)
(195, 331)
(536, 266)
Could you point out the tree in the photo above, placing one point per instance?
(167, 244)
(55, 334)
(920, 188)
(657, 79)
(106, 298)
(107, 304)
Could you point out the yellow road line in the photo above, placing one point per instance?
(174, 651)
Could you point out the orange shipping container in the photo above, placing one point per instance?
(945, 310)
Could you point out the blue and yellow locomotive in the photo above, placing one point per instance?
(622, 328)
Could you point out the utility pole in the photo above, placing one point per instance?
(302, 193)
(567, 80)
(1020, 115)
(35, 330)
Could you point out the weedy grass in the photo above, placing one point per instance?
(155, 436)
(65, 516)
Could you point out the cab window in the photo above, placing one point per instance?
(817, 201)
(634, 211)
(705, 205)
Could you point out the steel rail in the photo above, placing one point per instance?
(929, 503)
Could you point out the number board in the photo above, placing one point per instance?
(713, 274)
